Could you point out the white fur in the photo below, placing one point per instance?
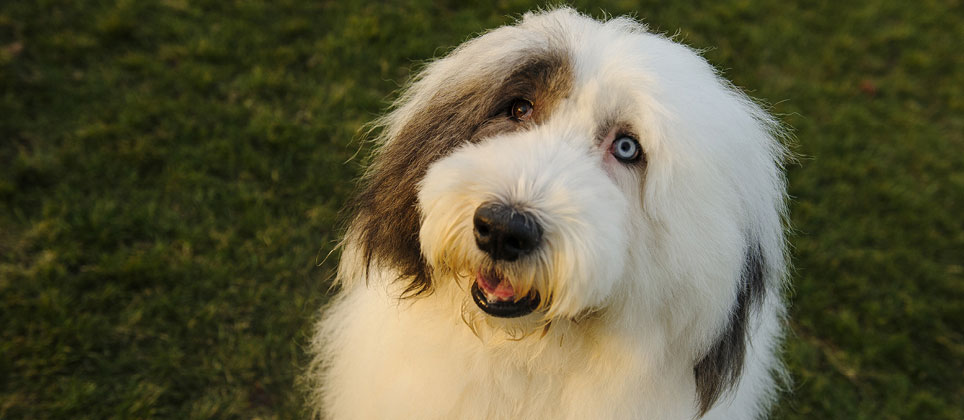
(642, 267)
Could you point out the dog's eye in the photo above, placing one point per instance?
(520, 110)
(626, 149)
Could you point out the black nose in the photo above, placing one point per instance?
(505, 233)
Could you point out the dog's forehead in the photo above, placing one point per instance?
(608, 68)
(620, 76)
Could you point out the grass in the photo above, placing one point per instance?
(171, 173)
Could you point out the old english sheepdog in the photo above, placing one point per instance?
(565, 218)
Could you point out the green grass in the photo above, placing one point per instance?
(171, 173)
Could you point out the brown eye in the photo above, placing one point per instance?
(520, 110)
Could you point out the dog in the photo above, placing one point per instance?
(564, 218)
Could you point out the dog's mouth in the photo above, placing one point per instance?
(494, 294)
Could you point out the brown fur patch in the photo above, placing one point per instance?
(720, 369)
(385, 213)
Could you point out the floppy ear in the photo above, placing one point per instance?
(719, 370)
(436, 114)
(385, 215)
(445, 107)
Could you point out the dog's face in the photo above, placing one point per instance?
(565, 166)
(566, 169)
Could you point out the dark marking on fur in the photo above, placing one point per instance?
(385, 214)
(720, 369)
(544, 82)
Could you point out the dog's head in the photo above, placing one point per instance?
(565, 166)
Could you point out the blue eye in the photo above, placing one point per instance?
(626, 149)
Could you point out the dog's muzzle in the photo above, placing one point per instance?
(504, 233)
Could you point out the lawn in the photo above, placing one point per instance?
(171, 174)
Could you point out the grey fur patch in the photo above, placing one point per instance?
(720, 369)
(384, 214)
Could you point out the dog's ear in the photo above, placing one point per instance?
(444, 108)
(720, 369)
(425, 126)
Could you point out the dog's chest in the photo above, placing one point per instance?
(411, 363)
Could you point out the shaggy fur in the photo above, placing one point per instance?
(656, 282)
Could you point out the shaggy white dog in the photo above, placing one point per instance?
(565, 219)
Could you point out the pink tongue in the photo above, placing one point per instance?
(495, 287)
